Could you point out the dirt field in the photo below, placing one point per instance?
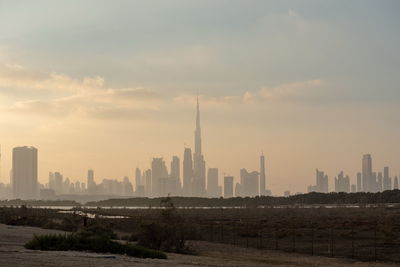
(12, 253)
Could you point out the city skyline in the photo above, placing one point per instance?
(311, 85)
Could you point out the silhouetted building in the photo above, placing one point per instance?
(321, 183)
(147, 178)
(91, 184)
(359, 182)
(396, 183)
(175, 183)
(24, 173)
(138, 177)
(379, 182)
(353, 188)
(249, 183)
(199, 165)
(212, 182)
(342, 183)
(159, 174)
(228, 186)
(262, 176)
(387, 181)
(367, 179)
(187, 172)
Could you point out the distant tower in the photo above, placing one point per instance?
(138, 177)
(367, 173)
(24, 172)
(176, 174)
(228, 186)
(262, 175)
(199, 165)
(187, 172)
(90, 181)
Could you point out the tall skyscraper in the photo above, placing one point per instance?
(187, 172)
(262, 176)
(138, 178)
(91, 184)
(396, 183)
(249, 183)
(212, 182)
(367, 173)
(387, 181)
(158, 175)
(228, 186)
(199, 165)
(359, 182)
(24, 172)
(176, 176)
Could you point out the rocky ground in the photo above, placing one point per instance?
(12, 253)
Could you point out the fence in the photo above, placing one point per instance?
(364, 243)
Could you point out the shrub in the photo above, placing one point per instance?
(90, 241)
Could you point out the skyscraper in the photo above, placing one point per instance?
(367, 173)
(187, 172)
(387, 181)
(90, 181)
(199, 165)
(249, 183)
(262, 176)
(176, 175)
(24, 172)
(212, 182)
(228, 186)
(138, 178)
(359, 182)
(158, 175)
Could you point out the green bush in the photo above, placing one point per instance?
(88, 241)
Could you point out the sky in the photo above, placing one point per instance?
(110, 84)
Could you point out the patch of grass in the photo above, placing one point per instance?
(88, 241)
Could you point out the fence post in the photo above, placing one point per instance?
(352, 243)
(312, 241)
(247, 234)
(212, 232)
(234, 233)
(375, 252)
(222, 232)
(294, 239)
(332, 242)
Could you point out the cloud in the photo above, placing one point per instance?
(59, 95)
(296, 91)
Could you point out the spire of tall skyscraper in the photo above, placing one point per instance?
(197, 132)
(199, 165)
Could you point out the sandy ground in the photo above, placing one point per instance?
(12, 253)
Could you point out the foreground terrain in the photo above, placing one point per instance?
(12, 252)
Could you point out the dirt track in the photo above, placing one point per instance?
(12, 253)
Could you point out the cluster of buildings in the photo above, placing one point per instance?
(190, 179)
(367, 180)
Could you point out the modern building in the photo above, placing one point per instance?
(321, 185)
(387, 181)
(249, 183)
(342, 183)
(187, 172)
(199, 165)
(212, 182)
(263, 191)
(158, 174)
(228, 186)
(175, 177)
(367, 178)
(25, 172)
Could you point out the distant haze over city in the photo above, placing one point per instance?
(109, 87)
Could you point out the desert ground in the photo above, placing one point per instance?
(13, 253)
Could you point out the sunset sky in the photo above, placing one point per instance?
(110, 84)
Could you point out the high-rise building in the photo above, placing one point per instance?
(367, 173)
(158, 175)
(138, 178)
(321, 185)
(187, 172)
(175, 183)
(249, 183)
(359, 182)
(147, 175)
(91, 184)
(199, 165)
(58, 183)
(212, 182)
(342, 183)
(24, 172)
(387, 181)
(228, 186)
(379, 182)
(262, 176)
(396, 183)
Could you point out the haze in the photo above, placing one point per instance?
(108, 85)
